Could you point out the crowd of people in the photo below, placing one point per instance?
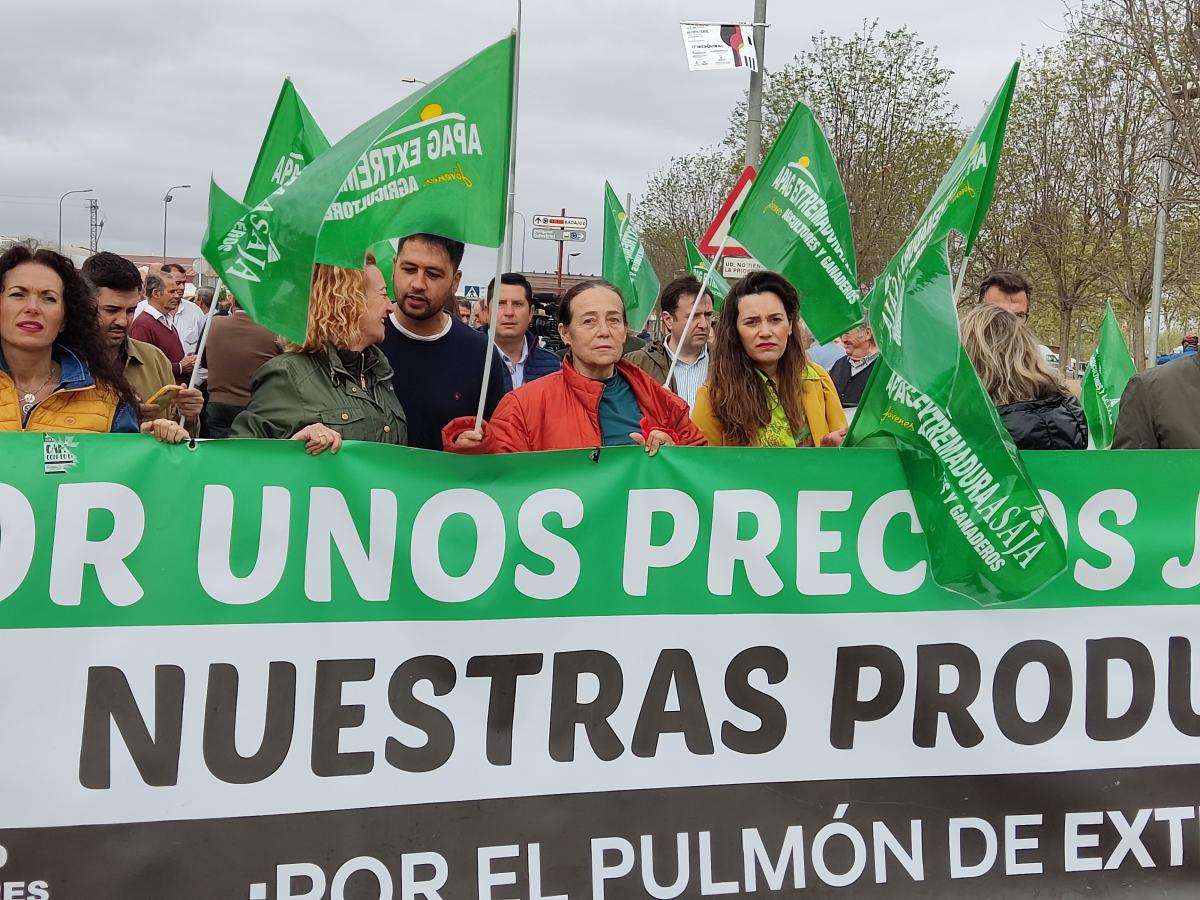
(109, 348)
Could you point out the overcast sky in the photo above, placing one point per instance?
(132, 97)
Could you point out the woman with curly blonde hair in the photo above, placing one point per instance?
(337, 385)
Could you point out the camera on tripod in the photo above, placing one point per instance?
(545, 321)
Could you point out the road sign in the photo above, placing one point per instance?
(738, 266)
(720, 225)
(577, 222)
(559, 234)
(472, 292)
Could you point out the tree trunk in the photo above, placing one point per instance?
(1064, 335)
(1138, 305)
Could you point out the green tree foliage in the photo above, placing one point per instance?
(881, 98)
(1077, 193)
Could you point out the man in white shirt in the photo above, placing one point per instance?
(524, 359)
(188, 319)
(154, 325)
(675, 303)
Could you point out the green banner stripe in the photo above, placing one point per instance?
(138, 533)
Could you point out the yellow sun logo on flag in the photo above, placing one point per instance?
(432, 111)
(801, 165)
(621, 217)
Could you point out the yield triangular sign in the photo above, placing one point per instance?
(720, 225)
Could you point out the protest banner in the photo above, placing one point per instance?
(243, 672)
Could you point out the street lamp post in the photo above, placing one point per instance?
(754, 99)
(507, 247)
(1185, 93)
(60, 201)
(166, 200)
(569, 255)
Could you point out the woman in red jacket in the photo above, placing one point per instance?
(597, 399)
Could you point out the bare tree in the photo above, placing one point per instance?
(1153, 47)
(681, 201)
(1076, 188)
(1050, 216)
(1157, 42)
(1076, 196)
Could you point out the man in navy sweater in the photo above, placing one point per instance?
(437, 361)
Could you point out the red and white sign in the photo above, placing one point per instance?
(576, 222)
(720, 226)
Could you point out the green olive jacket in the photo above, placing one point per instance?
(297, 389)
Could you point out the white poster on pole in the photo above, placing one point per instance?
(711, 45)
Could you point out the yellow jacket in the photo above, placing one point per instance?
(822, 408)
(78, 405)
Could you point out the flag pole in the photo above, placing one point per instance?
(505, 247)
(962, 275)
(512, 150)
(712, 267)
(212, 309)
(491, 341)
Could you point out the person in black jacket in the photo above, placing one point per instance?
(1034, 403)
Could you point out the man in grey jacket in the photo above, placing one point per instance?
(654, 359)
(1160, 408)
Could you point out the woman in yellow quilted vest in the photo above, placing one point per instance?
(56, 374)
(762, 390)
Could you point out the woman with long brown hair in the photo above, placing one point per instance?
(1034, 403)
(337, 384)
(762, 390)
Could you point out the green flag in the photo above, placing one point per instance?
(1108, 371)
(718, 287)
(625, 263)
(292, 141)
(796, 221)
(436, 162)
(988, 532)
